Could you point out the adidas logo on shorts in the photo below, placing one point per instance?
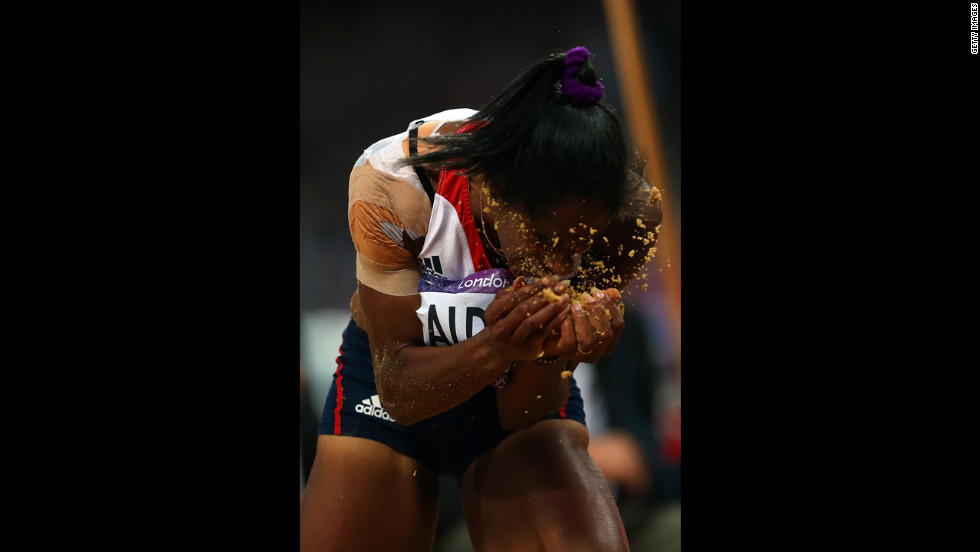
(372, 407)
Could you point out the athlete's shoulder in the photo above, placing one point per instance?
(442, 123)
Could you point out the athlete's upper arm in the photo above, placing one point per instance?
(392, 322)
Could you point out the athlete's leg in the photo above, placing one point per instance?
(362, 495)
(540, 490)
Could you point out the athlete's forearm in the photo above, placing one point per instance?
(418, 382)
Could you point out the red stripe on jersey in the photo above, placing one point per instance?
(340, 396)
(455, 187)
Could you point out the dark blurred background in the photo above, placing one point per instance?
(368, 68)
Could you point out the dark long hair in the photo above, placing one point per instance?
(534, 146)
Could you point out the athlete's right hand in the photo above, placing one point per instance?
(520, 317)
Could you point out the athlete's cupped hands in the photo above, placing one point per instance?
(592, 330)
(524, 322)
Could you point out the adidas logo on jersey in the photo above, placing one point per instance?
(431, 265)
(372, 407)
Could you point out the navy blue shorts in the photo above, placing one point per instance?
(447, 442)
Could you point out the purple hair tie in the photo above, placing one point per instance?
(577, 92)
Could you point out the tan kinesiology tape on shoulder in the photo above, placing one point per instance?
(371, 185)
(388, 217)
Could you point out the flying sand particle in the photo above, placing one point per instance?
(654, 196)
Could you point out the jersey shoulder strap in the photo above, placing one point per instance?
(413, 149)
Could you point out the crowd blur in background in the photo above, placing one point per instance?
(369, 68)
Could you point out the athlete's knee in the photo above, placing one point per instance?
(564, 438)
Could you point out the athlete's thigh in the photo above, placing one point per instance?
(540, 490)
(362, 495)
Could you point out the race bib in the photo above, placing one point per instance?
(453, 310)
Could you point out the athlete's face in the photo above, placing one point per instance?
(551, 243)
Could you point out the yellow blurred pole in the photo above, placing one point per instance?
(624, 33)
